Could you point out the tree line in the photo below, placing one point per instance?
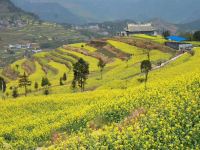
(80, 72)
(190, 36)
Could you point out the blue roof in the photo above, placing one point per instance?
(176, 38)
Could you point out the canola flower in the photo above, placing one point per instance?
(171, 121)
(164, 117)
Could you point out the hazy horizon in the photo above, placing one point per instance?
(175, 11)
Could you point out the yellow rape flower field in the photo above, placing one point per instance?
(115, 112)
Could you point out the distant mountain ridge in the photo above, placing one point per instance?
(49, 10)
(52, 12)
(12, 16)
(176, 11)
(191, 26)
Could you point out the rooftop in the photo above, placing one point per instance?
(176, 38)
(140, 27)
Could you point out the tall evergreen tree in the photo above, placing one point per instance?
(64, 77)
(196, 36)
(101, 65)
(17, 67)
(81, 72)
(45, 82)
(36, 86)
(145, 68)
(166, 33)
(24, 82)
(128, 58)
(2, 85)
(61, 81)
(46, 90)
(15, 92)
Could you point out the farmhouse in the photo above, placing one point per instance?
(140, 29)
(176, 38)
(14, 47)
(180, 46)
(37, 51)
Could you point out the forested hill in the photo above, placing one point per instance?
(12, 16)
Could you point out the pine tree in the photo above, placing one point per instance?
(17, 67)
(196, 36)
(128, 58)
(166, 33)
(15, 92)
(36, 86)
(45, 82)
(24, 82)
(81, 72)
(64, 77)
(2, 85)
(61, 81)
(145, 68)
(101, 65)
(46, 90)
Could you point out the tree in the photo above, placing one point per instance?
(148, 54)
(2, 85)
(101, 65)
(187, 35)
(148, 47)
(81, 72)
(46, 90)
(166, 33)
(64, 77)
(36, 86)
(15, 92)
(17, 67)
(196, 36)
(61, 81)
(145, 68)
(128, 58)
(24, 82)
(45, 82)
(7, 94)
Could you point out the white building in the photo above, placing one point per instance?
(140, 29)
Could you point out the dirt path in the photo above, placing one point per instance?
(167, 62)
(156, 67)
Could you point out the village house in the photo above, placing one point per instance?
(15, 46)
(177, 42)
(139, 29)
(24, 46)
(34, 46)
(37, 51)
(180, 46)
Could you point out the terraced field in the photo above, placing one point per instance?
(123, 64)
(84, 46)
(158, 39)
(115, 112)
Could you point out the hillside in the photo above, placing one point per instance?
(191, 26)
(114, 27)
(12, 16)
(52, 12)
(115, 112)
(114, 51)
(47, 35)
